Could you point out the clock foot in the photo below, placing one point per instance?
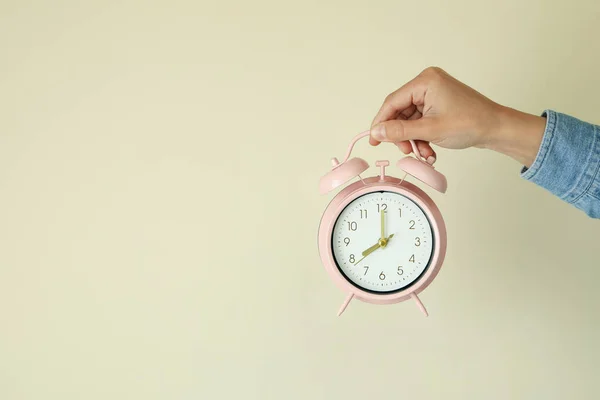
(419, 304)
(345, 304)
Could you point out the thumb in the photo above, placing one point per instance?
(397, 130)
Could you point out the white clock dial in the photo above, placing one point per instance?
(407, 245)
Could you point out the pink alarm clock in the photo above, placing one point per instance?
(382, 239)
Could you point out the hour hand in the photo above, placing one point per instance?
(380, 243)
(371, 249)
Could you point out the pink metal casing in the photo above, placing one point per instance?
(415, 167)
(342, 173)
(423, 172)
(391, 184)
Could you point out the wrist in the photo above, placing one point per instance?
(516, 134)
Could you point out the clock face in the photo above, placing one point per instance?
(388, 263)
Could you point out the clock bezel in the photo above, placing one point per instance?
(370, 185)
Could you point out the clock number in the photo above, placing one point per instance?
(352, 258)
(381, 207)
(347, 241)
(352, 225)
(400, 270)
(381, 276)
(363, 212)
(412, 258)
(366, 270)
(412, 226)
(417, 241)
(400, 210)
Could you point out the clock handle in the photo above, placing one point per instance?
(345, 303)
(419, 304)
(367, 133)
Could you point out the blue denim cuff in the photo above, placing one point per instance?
(531, 172)
(568, 161)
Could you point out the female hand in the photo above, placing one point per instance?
(436, 108)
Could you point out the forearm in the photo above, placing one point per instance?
(517, 135)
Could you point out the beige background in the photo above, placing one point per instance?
(159, 164)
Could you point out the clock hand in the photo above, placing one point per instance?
(356, 263)
(384, 242)
(371, 249)
(368, 251)
(381, 243)
(382, 225)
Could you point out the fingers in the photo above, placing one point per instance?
(402, 130)
(404, 147)
(415, 115)
(409, 113)
(373, 142)
(402, 101)
(400, 117)
(425, 149)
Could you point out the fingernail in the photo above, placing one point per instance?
(430, 160)
(378, 132)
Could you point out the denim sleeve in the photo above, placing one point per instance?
(568, 161)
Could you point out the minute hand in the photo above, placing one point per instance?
(382, 225)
